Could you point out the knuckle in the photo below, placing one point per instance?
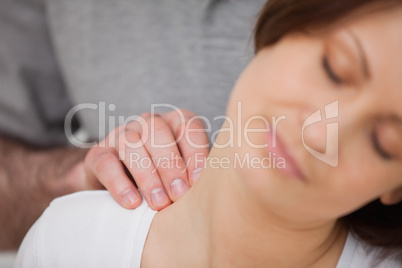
(175, 165)
(193, 118)
(117, 129)
(197, 123)
(131, 135)
(92, 153)
(105, 162)
(146, 115)
(169, 162)
(190, 125)
(143, 173)
(128, 138)
(157, 124)
(189, 119)
(179, 130)
(95, 152)
(187, 114)
(132, 126)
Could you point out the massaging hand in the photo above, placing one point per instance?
(135, 150)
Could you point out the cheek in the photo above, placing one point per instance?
(286, 76)
(358, 180)
(292, 72)
(362, 166)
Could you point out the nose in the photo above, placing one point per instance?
(320, 129)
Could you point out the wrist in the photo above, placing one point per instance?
(62, 172)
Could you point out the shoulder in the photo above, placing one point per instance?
(88, 229)
(358, 254)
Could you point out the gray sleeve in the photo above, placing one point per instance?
(33, 98)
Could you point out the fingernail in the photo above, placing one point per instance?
(178, 187)
(195, 175)
(129, 197)
(159, 197)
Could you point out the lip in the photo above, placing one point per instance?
(279, 149)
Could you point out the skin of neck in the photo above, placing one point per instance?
(219, 224)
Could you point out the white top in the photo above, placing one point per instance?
(89, 229)
(86, 229)
(357, 254)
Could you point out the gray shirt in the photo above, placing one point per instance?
(121, 56)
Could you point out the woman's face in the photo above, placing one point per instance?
(351, 75)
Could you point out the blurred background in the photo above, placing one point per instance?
(7, 259)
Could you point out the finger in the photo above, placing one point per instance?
(103, 166)
(192, 140)
(140, 165)
(160, 144)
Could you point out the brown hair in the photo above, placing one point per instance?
(375, 223)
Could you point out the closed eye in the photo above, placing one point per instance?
(377, 147)
(330, 72)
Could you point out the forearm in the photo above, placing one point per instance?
(30, 178)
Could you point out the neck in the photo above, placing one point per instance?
(218, 224)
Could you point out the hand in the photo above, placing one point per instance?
(162, 173)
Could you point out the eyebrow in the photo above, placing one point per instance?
(395, 118)
(362, 55)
